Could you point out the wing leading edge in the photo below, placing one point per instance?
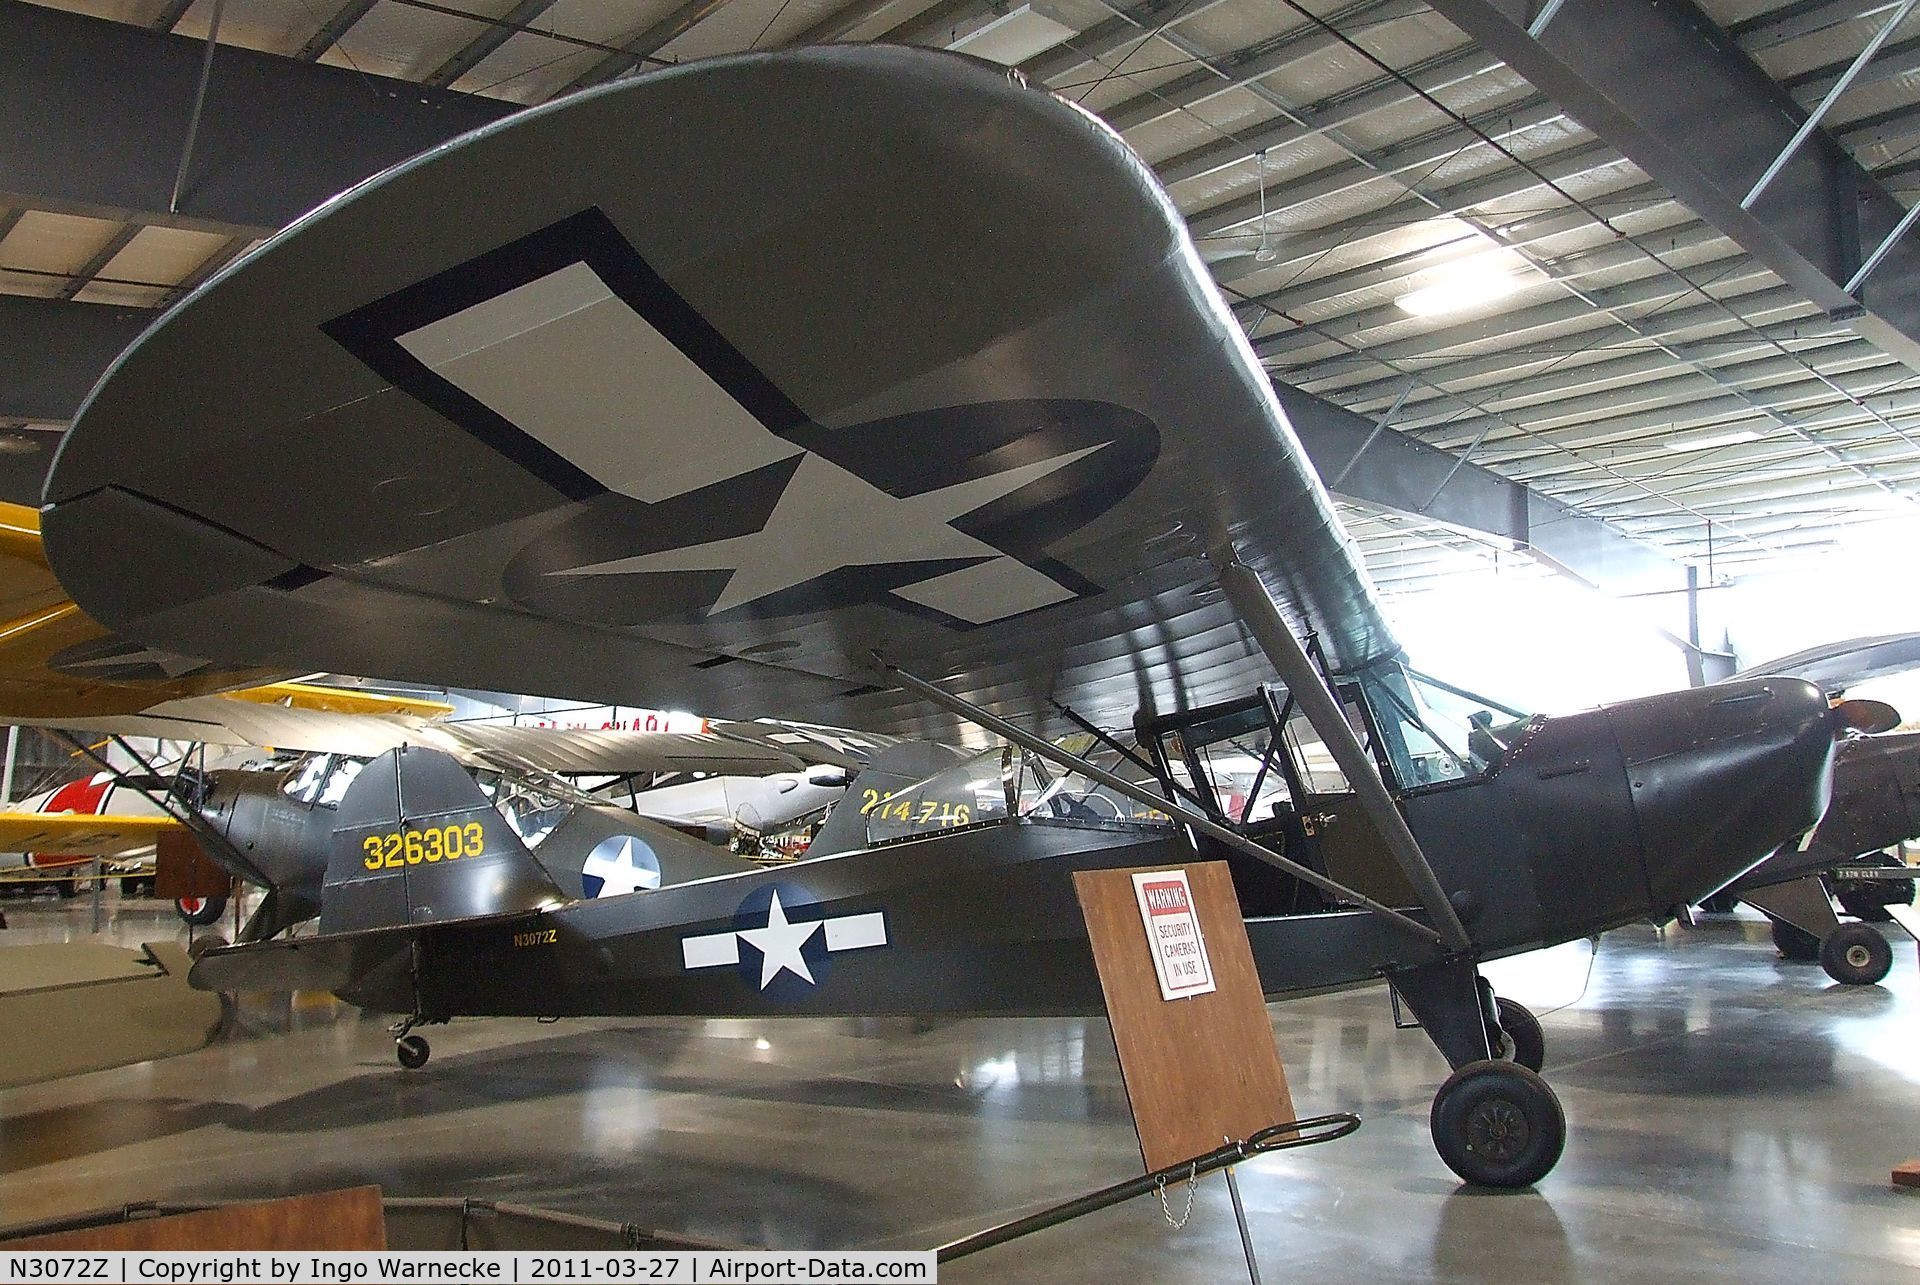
(932, 369)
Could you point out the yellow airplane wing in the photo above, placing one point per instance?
(80, 834)
(57, 662)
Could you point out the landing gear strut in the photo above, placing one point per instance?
(1495, 1122)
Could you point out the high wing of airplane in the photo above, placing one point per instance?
(56, 660)
(1836, 666)
(919, 413)
(84, 833)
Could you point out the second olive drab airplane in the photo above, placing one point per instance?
(1876, 807)
(919, 415)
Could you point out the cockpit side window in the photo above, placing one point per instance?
(344, 771)
(304, 782)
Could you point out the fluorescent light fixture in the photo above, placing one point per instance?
(1728, 438)
(1468, 283)
(1014, 38)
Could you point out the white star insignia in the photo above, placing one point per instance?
(782, 940)
(169, 663)
(619, 873)
(828, 518)
(779, 944)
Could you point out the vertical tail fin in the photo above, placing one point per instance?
(418, 842)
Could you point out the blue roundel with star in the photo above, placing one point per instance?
(619, 865)
(783, 942)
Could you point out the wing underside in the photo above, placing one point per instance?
(931, 370)
(83, 834)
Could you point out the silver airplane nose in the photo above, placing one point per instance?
(1720, 776)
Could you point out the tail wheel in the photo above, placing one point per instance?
(1526, 1043)
(1796, 944)
(200, 911)
(1856, 955)
(1497, 1124)
(68, 889)
(413, 1051)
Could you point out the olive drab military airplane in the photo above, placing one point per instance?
(918, 415)
(60, 668)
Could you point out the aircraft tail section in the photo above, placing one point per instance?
(889, 771)
(418, 842)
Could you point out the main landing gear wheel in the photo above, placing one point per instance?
(1797, 944)
(200, 911)
(1856, 955)
(1525, 1043)
(1497, 1124)
(413, 1051)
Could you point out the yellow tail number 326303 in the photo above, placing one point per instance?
(396, 850)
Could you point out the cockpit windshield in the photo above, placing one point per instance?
(1433, 732)
(321, 780)
(533, 808)
(998, 785)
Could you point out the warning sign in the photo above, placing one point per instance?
(1173, 933)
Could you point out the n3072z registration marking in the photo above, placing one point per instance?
(538, 937)
(44, 1267)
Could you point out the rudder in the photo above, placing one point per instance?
(418, 842)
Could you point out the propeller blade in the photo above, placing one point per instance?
(1865, 716)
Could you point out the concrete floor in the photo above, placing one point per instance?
(1733, 1117)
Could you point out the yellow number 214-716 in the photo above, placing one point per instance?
(395, 850)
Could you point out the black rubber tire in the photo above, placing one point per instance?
(1527, 1043)
(1720, 903)
(68, 889)
(1856, 955)
(413, 1051)
(1497, 1124)
(211, 908)
(1797, 944)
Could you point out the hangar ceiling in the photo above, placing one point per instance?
(1691, 376)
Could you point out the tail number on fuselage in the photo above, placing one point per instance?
(395, 850)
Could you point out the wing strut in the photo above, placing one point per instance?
(1270, 629)
(171, 803)
(1140, 794)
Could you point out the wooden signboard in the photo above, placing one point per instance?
(327, 1220)
(1200, 1068)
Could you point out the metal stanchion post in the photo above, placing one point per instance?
(1240, 1219)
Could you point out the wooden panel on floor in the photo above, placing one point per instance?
(1200, 1069)
(326, 1220)
(1907, 1175)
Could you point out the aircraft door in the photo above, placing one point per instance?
(1343, 839)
